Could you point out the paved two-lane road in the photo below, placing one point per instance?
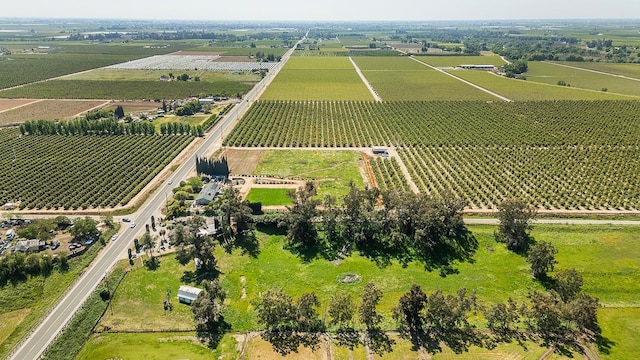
(50, 327)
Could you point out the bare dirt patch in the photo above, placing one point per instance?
(47, 110)
(243, 161)
(8, 104)
(134, 106)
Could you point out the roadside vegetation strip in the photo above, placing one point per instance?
(523, 90)
(37, 295)
(80, 172)
(556, 74)
(73, 337)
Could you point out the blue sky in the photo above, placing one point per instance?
(266, 10)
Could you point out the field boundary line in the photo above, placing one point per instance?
(365, 81)
(593, 71)
(464, 81)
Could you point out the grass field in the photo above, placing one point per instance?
(154, 346)
(318, 63)
(496, 274)
(317, 84)
(551, 73)
(334, 169)
(137, 304)
(385, 63)
(47, 110)
(522, 90)
(10, 320)
(269, 197)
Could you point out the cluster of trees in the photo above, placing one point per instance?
(190, 108)
(515, 68)
(382, 225)
(212, 167)
(261, 56)
(16, 266)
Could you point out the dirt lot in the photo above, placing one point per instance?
(8, 104)
(134, 106)
(48, 110)
(243, 162)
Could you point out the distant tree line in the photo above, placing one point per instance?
(105, 127)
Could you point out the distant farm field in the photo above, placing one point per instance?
(420, 85)
(629, 70)
(453, 61)
(122, 89)
(317, 84)
(523, 90)
(8, 104)
(47, 110)
(552, 73)
(23, 69)
(66, 171)
(155, 75)
(384, 63)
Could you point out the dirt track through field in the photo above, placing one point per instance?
(366, 82)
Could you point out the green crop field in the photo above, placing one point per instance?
(452, 61)
(124, 89)
(388, 174)
(334, 170)
(316, 63)
(317, 84)
(269, 196)
(56, 171)
(552, 73)
(522, 90)
(420, 85)
(400, 63)
(629, 70)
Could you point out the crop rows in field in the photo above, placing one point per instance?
(23, 69)
(190, 62)
(564, 154)
(388, 174)
(559, 177)
(125, 90)
(363, 124)
(71, 172)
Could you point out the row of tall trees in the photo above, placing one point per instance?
(562, 316)
(85, 127)
(179, 128)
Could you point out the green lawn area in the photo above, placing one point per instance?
(10, 320)
(154, 346)
(523, 90)
(551, 73)
(269, 197)
(622, 327)
(334, 169)
(137, 303)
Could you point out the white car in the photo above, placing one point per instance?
(133, 224)
(170, 182)
(114, 237)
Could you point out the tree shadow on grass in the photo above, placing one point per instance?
(196, 276)
(248, 243)
(604, 344)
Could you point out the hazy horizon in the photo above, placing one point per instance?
(329, 10)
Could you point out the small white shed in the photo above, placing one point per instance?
(187, 294)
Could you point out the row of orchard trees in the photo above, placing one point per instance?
(106, 127)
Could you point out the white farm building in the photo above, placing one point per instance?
(187, 294)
